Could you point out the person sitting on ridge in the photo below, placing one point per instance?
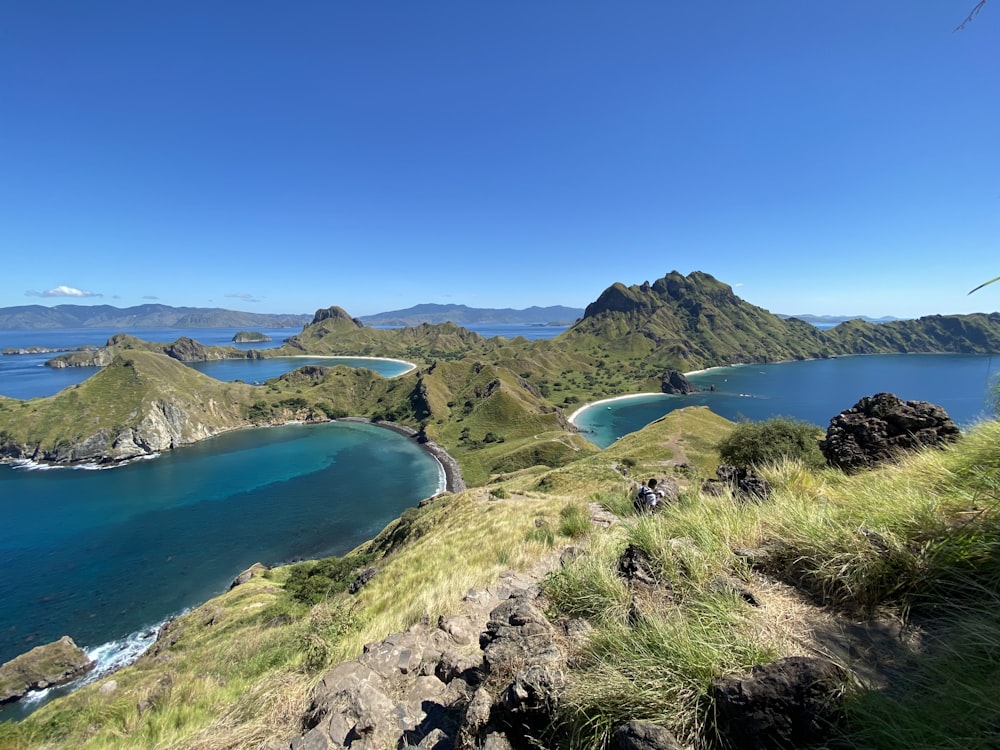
(647, 499)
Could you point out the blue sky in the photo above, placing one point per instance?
(821, 157)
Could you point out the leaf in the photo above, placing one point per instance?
(985, 284)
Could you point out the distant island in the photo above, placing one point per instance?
(39, 317)
(250, 337)
(462, 315)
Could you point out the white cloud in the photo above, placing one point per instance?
(62, 291)
(149, 296)
(244, 296)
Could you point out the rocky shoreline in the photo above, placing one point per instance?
(452, 472)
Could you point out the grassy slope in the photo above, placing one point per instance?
(242, 664)
(118, 397)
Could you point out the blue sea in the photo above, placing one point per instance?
(25, 376)
(106, 555)
(814, 391)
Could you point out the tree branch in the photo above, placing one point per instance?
(972, 14)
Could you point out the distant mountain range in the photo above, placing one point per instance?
(39, 317)
(835, 319)
(462, 315)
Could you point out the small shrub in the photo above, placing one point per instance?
(312, 582)
(772, 441)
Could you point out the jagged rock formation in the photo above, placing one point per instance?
(486, 677)
(43, 667)
(878, 428)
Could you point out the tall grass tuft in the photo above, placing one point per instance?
(659, 669)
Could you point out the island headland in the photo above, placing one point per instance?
(710, 569)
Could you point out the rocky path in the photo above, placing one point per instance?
(445, 683)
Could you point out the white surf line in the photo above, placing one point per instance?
(574, 415)
(410, 367)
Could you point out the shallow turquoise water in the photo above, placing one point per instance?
(814, 391)
(104, 555)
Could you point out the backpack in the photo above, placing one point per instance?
(645, 498)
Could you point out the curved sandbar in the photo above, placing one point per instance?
(410, 366)
(592, 404)
(575, 414)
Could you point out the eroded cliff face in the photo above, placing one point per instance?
(165, 426)
(139, 404)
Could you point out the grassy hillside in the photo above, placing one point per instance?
(913, 543)
(92, 415)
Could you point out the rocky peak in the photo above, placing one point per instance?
(336, 314)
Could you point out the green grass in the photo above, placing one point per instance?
(919, 539)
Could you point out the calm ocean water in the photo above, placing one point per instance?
(104, 556)
(814, 391)
(25, 376)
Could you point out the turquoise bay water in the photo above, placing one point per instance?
(814, 391)
(106, 555)
(259, 370)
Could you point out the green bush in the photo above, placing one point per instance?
(312, 582)
(772, 441)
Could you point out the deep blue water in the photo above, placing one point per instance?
(106, 555)
(813, 391)
(25, 376)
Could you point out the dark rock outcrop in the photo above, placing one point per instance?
(675, 383)
(642, 735)
(43, 667)
(879, 428)
(487, 677)
(788, 703)
(743, 483)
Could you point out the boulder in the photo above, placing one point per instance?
(788, 703)
(879, 428)
(43, 667)
(674, 382)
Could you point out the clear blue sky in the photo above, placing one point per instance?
(821, 157)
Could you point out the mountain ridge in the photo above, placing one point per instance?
(463, 315)
(40, 317)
